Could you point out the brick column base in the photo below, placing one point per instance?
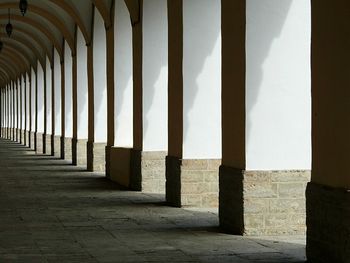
(68, 149)
(328, 224)
(57, 146)
(96, 157)
(192, 183)
(39, 142)
(47, 139)
(138, 170)
(79, 152)
(32, 140)
(262, 202)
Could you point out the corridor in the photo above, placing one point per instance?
(51, 211)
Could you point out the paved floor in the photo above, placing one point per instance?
(51, 211)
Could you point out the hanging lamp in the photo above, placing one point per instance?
(9, 27)
(23, 6)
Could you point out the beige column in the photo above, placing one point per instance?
(233, 115)
(75, 102)
(17, 111)
(328, 194)
(20, 110)
(91, 110)
(25, 110)
(63, 105)
(175, 102)
(30, 135)
(110, 91)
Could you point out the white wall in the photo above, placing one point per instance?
(40, 73)
(58, 95)
(27, 101)
(23, 101)
(48, 97)
(100, 79)
(155, 75)
(10, 105)
(68, 91)
(15, 103)
(123, 95)
(278, 101)
(82, 87)
(202, 79)
(33, 99)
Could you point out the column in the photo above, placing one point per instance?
(68, 105)
(21, 110)
(33, 111)
(194, 103)
(57, 132)
(96, 151)
(48, 112)
(27, 114)
(143, 166)
(13, 98)
(123, 96)
(40, 108)
(266, 116)
(17, 109)
(328, 195)
(82, 102)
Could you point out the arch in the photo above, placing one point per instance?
(19, 51)
(19, 63)
(5, 73)
(9, 68)
(104, 12)
(35, 24)
(19, 46)
(76, 17)
(53, 19)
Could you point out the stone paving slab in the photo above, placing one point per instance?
(51, 211)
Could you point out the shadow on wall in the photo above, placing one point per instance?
(123, 73)
(203, 33)
(259, 40)
(155, 65)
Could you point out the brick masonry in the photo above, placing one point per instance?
(138, 170)
(96, 154)
(328, 224)
(192, 183)
(32, 140)
(57, 146)
(39, 142)
(263, 202)
(79, 158)
(147, 170)
(48, 144)
(68, 149)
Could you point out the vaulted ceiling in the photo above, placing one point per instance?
(46, 25)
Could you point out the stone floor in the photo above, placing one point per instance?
(51, 211)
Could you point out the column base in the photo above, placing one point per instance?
(47, 139)
(96, 156)
(79, 152)
(192, 183)
(262, 202)
(328, 224)
(68, 149)
(22, 140)
(57, 146)
(39, 142)
(26, 138)
(138, 170)
(18, 135)
(32, 140)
